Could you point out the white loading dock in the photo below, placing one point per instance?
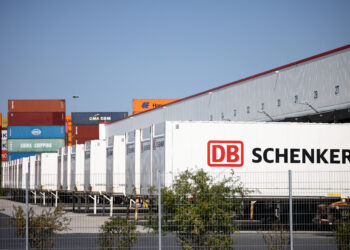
(67, 167)
(60, 168)
(320, 82)
(132, 163)
(260, 154)
(46, 171)
(95, 167)
(116, 165)
(77, 168)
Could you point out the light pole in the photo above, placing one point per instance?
(75, 97)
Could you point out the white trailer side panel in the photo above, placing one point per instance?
(31, 172)
(266, 152)
(116, 165)
(48, 171)
(95, 166)
(77, 168)
(66, 167)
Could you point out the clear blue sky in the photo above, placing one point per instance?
(109, 52)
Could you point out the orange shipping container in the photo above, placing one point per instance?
(140, 105)
(37, 105)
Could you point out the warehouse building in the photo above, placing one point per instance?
(315, 89)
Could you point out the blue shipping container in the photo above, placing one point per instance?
(94, 118)
(15, 156)
(36, 132)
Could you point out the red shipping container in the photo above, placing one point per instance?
(85, 131)
(41, 118)
(37, 105)
(3, 155)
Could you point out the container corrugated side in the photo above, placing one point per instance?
(15, 156)
(94, 118)
(38, 105)
(36, 118)
(34, 145)
(85, 131)
(36, 132)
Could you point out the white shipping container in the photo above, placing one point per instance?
(116, 165)
(260, 154)
(95, 167)
(60, 168)
(67, 167)
(77, 168)
(46, 171)
(132, 163)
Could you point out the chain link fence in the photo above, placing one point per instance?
(200, 210)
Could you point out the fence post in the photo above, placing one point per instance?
(27, 212)
(290, 209)
(159, 213)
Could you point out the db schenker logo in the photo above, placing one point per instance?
(225, 154)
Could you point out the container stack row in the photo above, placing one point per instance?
(35, 126)
(85, 124)
(3, 139)
(134, 163)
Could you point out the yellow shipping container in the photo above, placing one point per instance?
(4, 122)
(140, 105)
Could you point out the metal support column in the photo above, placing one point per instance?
(27, 212)
(159, 213)
(290, 209)
(95, 202)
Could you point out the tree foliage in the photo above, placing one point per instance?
(342, 234)
(117, 233)
(201, 209)
(41, 227)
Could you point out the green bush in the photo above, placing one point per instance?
(201, 210)
(342, 235)
(117, 233)
(41, 227)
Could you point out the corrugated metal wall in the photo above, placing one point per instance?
(323, 82)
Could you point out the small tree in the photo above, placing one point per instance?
(277, 239)
(41, 227)
(342, 234)
(117, 233)
(201, 209)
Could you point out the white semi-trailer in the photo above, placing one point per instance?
(260, 154)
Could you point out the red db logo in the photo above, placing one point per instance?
(225, 153)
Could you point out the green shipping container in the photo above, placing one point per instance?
(34, 145)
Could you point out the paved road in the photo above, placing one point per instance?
(84, 235)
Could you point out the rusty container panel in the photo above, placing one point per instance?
(36, 118)
(36, 105)
(85, 131)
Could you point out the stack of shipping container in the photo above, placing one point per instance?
(68, 130)
(35, 126)
(85, 124)
(3, 123)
